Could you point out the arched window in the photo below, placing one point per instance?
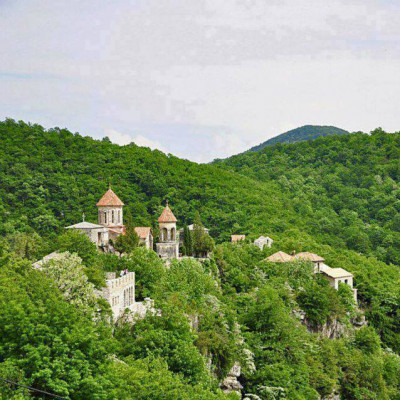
(119, 216)
(105, 217)
(172, 234)
(164, 235)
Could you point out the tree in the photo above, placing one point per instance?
(187, 241)
(202, 242)
(128, 242)
(67, 272)
(74, 241)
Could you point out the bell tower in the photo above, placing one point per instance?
(110, 212)
(168, 247)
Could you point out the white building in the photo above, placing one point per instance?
(120, 294)
(338, 275)
(263, 241)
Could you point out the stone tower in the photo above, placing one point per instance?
(110, 213)
(168, 247)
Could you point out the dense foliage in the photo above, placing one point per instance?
(326, 196)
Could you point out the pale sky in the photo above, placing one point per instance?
(200, 79)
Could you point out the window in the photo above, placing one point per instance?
(112, 216)
(105, 217)
(119, 217)
(346, 281)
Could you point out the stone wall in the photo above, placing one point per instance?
(120, 293)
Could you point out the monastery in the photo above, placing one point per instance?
(110, 225)
(120, 290)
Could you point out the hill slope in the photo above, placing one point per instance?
(247, 309)
(306, 132)
(348, 186)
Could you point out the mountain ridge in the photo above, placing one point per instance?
(302, 133)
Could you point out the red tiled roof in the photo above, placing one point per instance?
(110, 199)
(167, 215)
(143, 231)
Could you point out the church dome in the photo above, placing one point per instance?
(110, 199)
(167, 215)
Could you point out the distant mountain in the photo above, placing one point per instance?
(306, 132)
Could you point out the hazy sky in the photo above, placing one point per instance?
(200, 78)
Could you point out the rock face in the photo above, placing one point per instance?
(230, 383)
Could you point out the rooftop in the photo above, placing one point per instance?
(335, 272)
(167, 215)
(280, 256)
(110, 199)
(85, 225)
(143, 231)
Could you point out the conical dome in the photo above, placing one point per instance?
(167, 215)
(110, 199)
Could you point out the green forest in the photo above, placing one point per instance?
(294, 336)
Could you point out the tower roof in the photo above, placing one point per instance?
(110, 199)
(167, 215)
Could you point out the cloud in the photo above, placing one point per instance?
(124, 139)
(200, 78)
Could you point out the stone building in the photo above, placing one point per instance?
(168, 247)
(120, 294)
(314, 258)
(96, 233)
(238, 238)
(334, 275)
(263, 241)
(110, 214)
(338, 275)
(145, 235)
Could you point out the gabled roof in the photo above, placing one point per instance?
(85, 225)
(309, 257)
(143, 231)
(237, 238)
(167, 215)
(335, 272)
(264, 239)
(45, 259)
(280, 256)
(110, 199)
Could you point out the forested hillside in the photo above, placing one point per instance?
(301, 134)
(346, 186)
(323, 196)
